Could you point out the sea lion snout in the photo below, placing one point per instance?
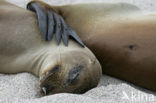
(49, 85)
(75, 73)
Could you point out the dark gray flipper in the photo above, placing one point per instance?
(51, 23)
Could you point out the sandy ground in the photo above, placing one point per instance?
(23, 87)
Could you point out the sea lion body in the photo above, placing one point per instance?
(122, 36)
(60, 68)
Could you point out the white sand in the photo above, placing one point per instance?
(23, 87)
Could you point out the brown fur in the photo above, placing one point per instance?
(122, 36)
(22, 49)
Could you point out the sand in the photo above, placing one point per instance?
(23, 87)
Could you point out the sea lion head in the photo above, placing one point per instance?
(73, 70)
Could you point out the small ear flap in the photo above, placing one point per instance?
(51, 23)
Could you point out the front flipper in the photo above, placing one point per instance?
(51, 23)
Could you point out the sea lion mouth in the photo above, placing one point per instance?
(47, 79)
(46, 89)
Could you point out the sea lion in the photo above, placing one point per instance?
(122, 36)
(72, 68)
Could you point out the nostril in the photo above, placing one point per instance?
(74, 74)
